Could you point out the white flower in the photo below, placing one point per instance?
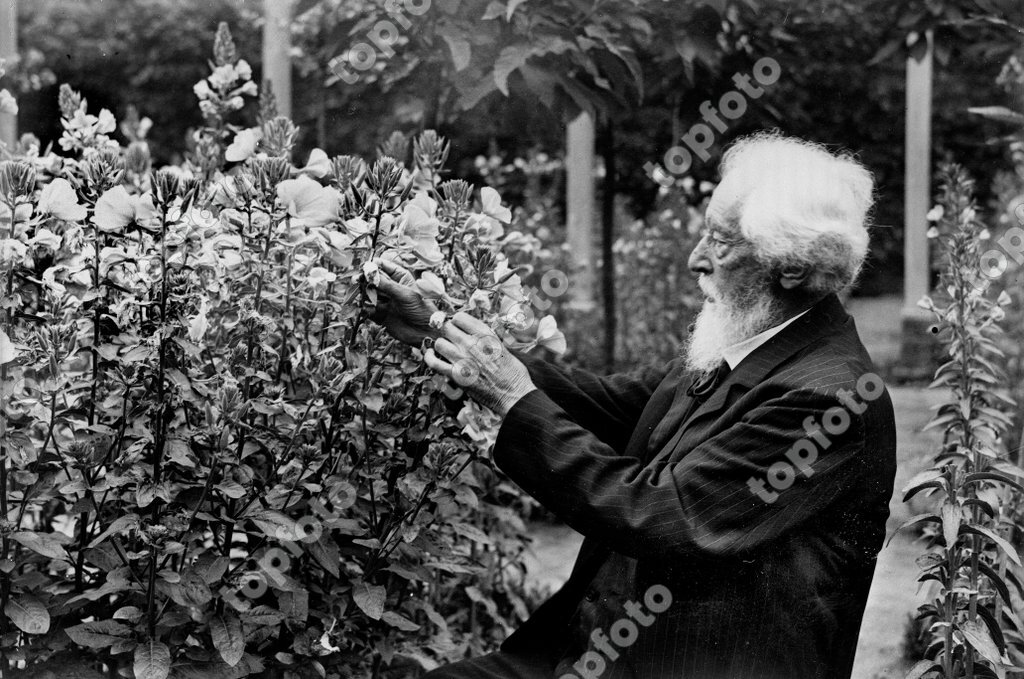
(357, 226)
(114, 210)
(437, 320)
(492, 206)
(59, 199)
(371, 272)
(46, 239)
(243, 69)
(318, 165)
(223, 76)
(431, 285)
(249, 89)
(235, 103)
(549, 336)
(7, 351)
(307, 202)
(202, 89)
(480, 299)
(319, 277)
(106, 123)
(199, 324)
(8, 104)
(12, 251)
(933, 232)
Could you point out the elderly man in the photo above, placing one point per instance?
(733, 501)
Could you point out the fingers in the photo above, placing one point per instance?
(436, 364)
(447, 349)
(470, 325)
(395, 271)
(389, 287)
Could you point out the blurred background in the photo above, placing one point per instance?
(568, 108)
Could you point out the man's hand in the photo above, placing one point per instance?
(403, 312)
(474, 358)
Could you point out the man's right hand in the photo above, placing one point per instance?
(401, 309)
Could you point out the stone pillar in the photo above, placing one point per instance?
(579, 170)
(277, 44)
(8, 52)
(917, 343)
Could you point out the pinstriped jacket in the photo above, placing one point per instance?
(761, 510)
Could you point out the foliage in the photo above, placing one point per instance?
(974, 624)
(212, 464)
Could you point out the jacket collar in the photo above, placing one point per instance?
(822, 319)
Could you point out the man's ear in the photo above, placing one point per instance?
(792, 277)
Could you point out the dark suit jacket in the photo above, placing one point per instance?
(765, 590)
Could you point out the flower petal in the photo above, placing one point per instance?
(59, 199)
(114, 210)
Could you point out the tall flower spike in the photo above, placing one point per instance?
(457, 193)
(17, 180)
(279, 137)
(430, 151)
(224, 51)
(69, 101)
(347, 170)
(137, 158)
(267, 103)
(104, 169)
(384, 177)
(396, 146)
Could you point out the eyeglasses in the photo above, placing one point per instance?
(718, 241)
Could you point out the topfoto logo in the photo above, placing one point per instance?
(383, 35)
(731, 106)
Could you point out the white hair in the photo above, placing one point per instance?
(799, 204)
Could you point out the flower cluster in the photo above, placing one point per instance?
(201, 421)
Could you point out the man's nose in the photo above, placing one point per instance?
(699, 262)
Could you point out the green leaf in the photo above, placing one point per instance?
(28, 614)
(228, 637)
(951, 515)
(152, 660)
(369, 598)
(511, 8)
(978, 636)
(460, 49)
(99, 634)
(399, 622)
(992, 476)
(510, 59)
(922, 668)
(46, 544)
(999, 113)
(275, 525)
(930, 516)
(118, 526)
(1000, 542)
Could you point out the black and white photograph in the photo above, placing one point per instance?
(511, 339)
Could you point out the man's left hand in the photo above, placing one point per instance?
(472, 356)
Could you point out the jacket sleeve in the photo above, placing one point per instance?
(609, 407)
(702, 503)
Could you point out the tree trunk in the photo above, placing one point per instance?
(607, 240)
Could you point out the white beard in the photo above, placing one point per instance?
(722, 324)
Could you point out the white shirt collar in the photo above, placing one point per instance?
(735, 353)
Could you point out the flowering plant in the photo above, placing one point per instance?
(212, 463)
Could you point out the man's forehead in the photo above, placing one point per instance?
(724, 206)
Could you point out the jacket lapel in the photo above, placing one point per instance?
(823, 318)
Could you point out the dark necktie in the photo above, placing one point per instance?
(704, 385)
